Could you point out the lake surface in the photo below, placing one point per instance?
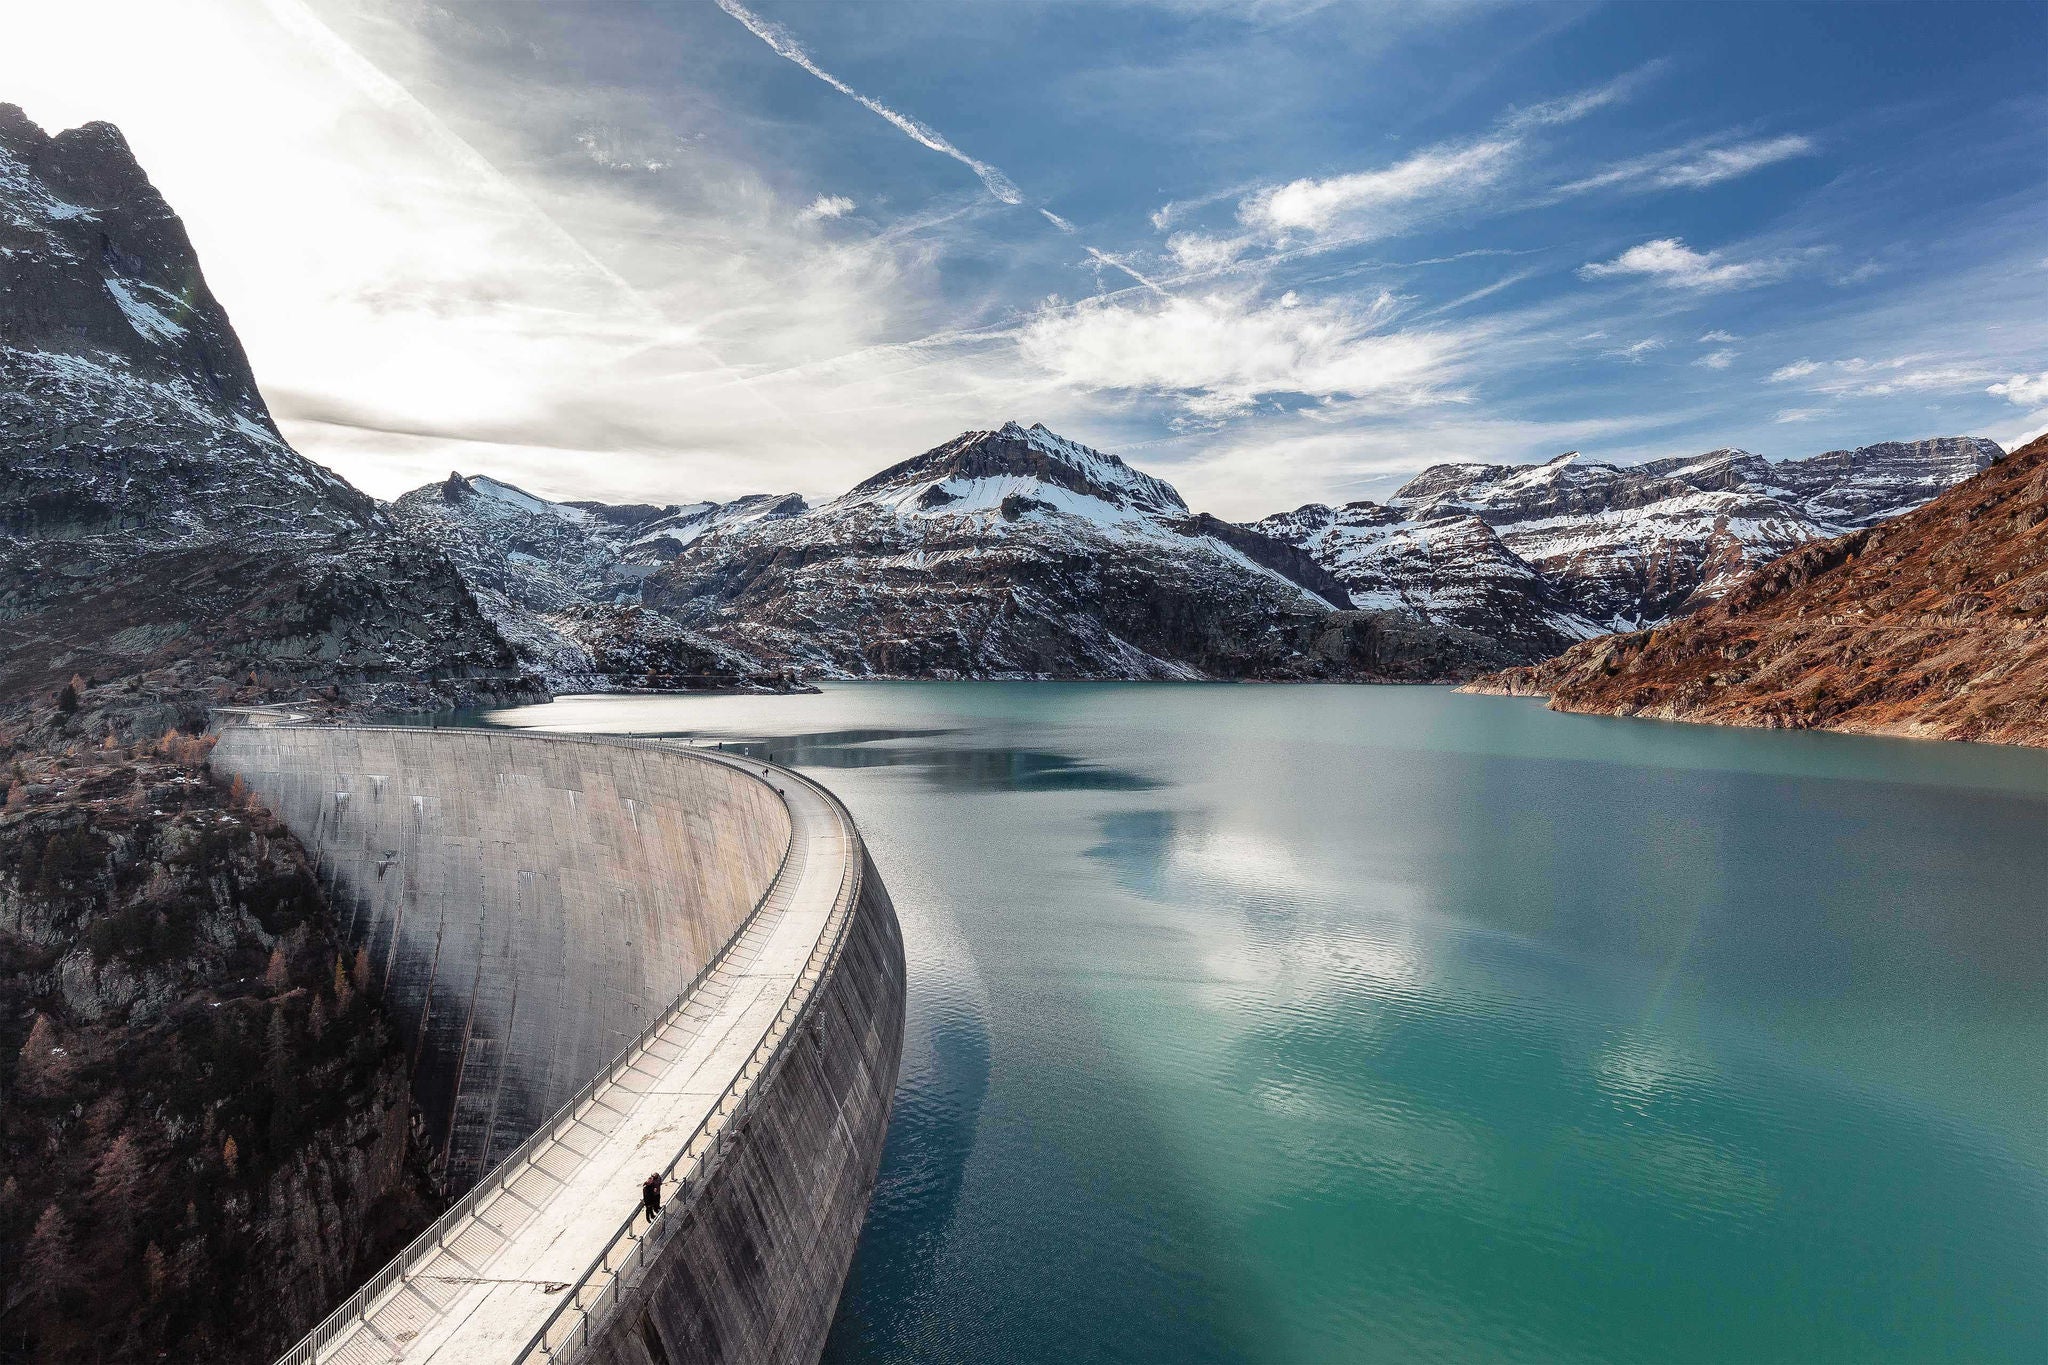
(1330, 1024)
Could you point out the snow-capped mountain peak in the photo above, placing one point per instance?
(1015, 471)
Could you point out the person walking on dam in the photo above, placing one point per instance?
(650, 1196)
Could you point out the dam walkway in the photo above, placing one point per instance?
(525, 1265)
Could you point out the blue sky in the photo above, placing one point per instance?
(1274, 252)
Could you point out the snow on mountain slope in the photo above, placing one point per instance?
(1453, 569)
(1550, 553)
(1016, 552)
(561, 581)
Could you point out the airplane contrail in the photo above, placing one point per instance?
(785, 44)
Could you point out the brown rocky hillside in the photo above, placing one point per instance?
(1932, 625)
(206, 1132)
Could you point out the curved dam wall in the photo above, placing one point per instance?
(750, 1272)
(527, 904)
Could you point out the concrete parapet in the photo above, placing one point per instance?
(750, 1272)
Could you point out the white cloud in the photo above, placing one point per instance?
(1718, 335)
(1863, 378)
(1062, 224)
(826, 206)
(1696, 165)
(1636, 350)
(1799, 414)
(1726, 163)
(1220, 353)
(2028, 391)
(1669, 261)
(1368, 204)
(1198, 253)
(1717, 360)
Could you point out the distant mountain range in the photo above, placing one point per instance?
(1002, 553)
(1540, 556)
(1018, 552)
(1933, 624)
(154, 522)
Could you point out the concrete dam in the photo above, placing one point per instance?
(607, 957)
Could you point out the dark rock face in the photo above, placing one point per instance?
(380, 620)
(150, 514)
(128, 415)
(99, 263)
(1017, 553)
(1539, 556)
(1930, 624)
(203, 1110)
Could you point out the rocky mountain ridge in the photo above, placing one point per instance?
(1934, 625)
(1544, 555)
(561, 581)
(1015, 552)
(1018, 552)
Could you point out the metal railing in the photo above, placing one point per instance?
(356, 1308)
(607, 1276)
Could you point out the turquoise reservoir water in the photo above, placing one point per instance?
(1328, 1024)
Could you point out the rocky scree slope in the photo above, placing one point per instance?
(1018, 553)
(1541, 556)
(561, 581)
(207, 1134)
(134, 445)
(1931, 625)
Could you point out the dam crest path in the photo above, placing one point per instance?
(539, 1257)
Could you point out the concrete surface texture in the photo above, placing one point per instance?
(524, 885)
(528, 905)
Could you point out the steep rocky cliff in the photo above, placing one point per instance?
(152, 519)
(1540, 556)
(205, 1127)
(1934, 624)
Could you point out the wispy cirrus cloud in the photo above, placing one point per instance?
(1573, 107)
(1669, 261)
(1636, 350)
(1312, 214)
(1368, 204)
(786, 45)
(1696, 165)
(1861, 378)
